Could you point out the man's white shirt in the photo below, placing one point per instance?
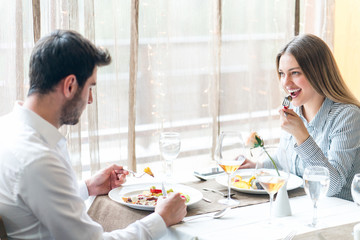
(40, 197)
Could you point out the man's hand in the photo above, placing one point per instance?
(106, 179)
(172, 209)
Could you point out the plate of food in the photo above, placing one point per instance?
(145, 196)
(243, 180)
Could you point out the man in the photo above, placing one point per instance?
(39, 195)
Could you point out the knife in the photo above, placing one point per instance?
(163, 189)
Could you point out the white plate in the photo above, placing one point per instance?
(130, 190)
(293, 182)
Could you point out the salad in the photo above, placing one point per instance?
(150, 197)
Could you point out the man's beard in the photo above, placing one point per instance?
(72, 110)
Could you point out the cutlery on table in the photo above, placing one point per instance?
(217, 191)
(206, 199)
(163, 189)
(218, 214)
(139, 175)
(290, 236)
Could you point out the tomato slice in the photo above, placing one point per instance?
(154, 190)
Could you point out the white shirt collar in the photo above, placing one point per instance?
(50, 133)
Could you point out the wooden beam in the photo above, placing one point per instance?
(134, 46)
(297, 18)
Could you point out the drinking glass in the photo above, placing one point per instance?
(355, 189)
(230, 153)
(169, 144)
(316, 184)
(271, 171)
(355, 193)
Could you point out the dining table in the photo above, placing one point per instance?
(249, 219)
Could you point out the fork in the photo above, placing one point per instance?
(134, 174)
(286, 102)
(290, 236)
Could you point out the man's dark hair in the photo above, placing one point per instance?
(60, 54)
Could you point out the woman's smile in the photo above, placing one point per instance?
(294, 92)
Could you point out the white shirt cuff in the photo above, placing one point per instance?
(83, 190)
(155, 224)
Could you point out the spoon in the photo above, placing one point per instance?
(218, 214)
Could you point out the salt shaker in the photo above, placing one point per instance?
(282, 204)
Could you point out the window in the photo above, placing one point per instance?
(192, 76)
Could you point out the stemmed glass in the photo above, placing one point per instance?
(316, 184)
(230, 154)
(271, 171)
(355, 189)
(169, 144)
(355, 193)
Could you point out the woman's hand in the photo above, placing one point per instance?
(292, 123)
(247, 164)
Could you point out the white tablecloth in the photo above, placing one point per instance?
(251, 222)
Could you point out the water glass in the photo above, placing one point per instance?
(355, 193)
(316, 184)
(169, 144)
(355, 188)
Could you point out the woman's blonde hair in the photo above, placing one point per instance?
(319, 66)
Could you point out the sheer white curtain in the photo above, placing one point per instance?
(318, 19)
(16, 42)
(82, 138)
(252, 34)
(201, 67)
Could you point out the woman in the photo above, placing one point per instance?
(324, 127)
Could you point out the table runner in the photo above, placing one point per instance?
(343, 232)
(112, 215)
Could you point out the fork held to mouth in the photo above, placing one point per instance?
(286, 102)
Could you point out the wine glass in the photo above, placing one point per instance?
(316, 184)
(355, 189)
(230, 154)
(271, 171)
(169, 144)
(355, 193)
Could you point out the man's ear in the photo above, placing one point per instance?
(70, 85)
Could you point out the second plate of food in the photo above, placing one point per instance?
(245, 174)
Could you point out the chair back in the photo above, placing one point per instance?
(3, 235)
